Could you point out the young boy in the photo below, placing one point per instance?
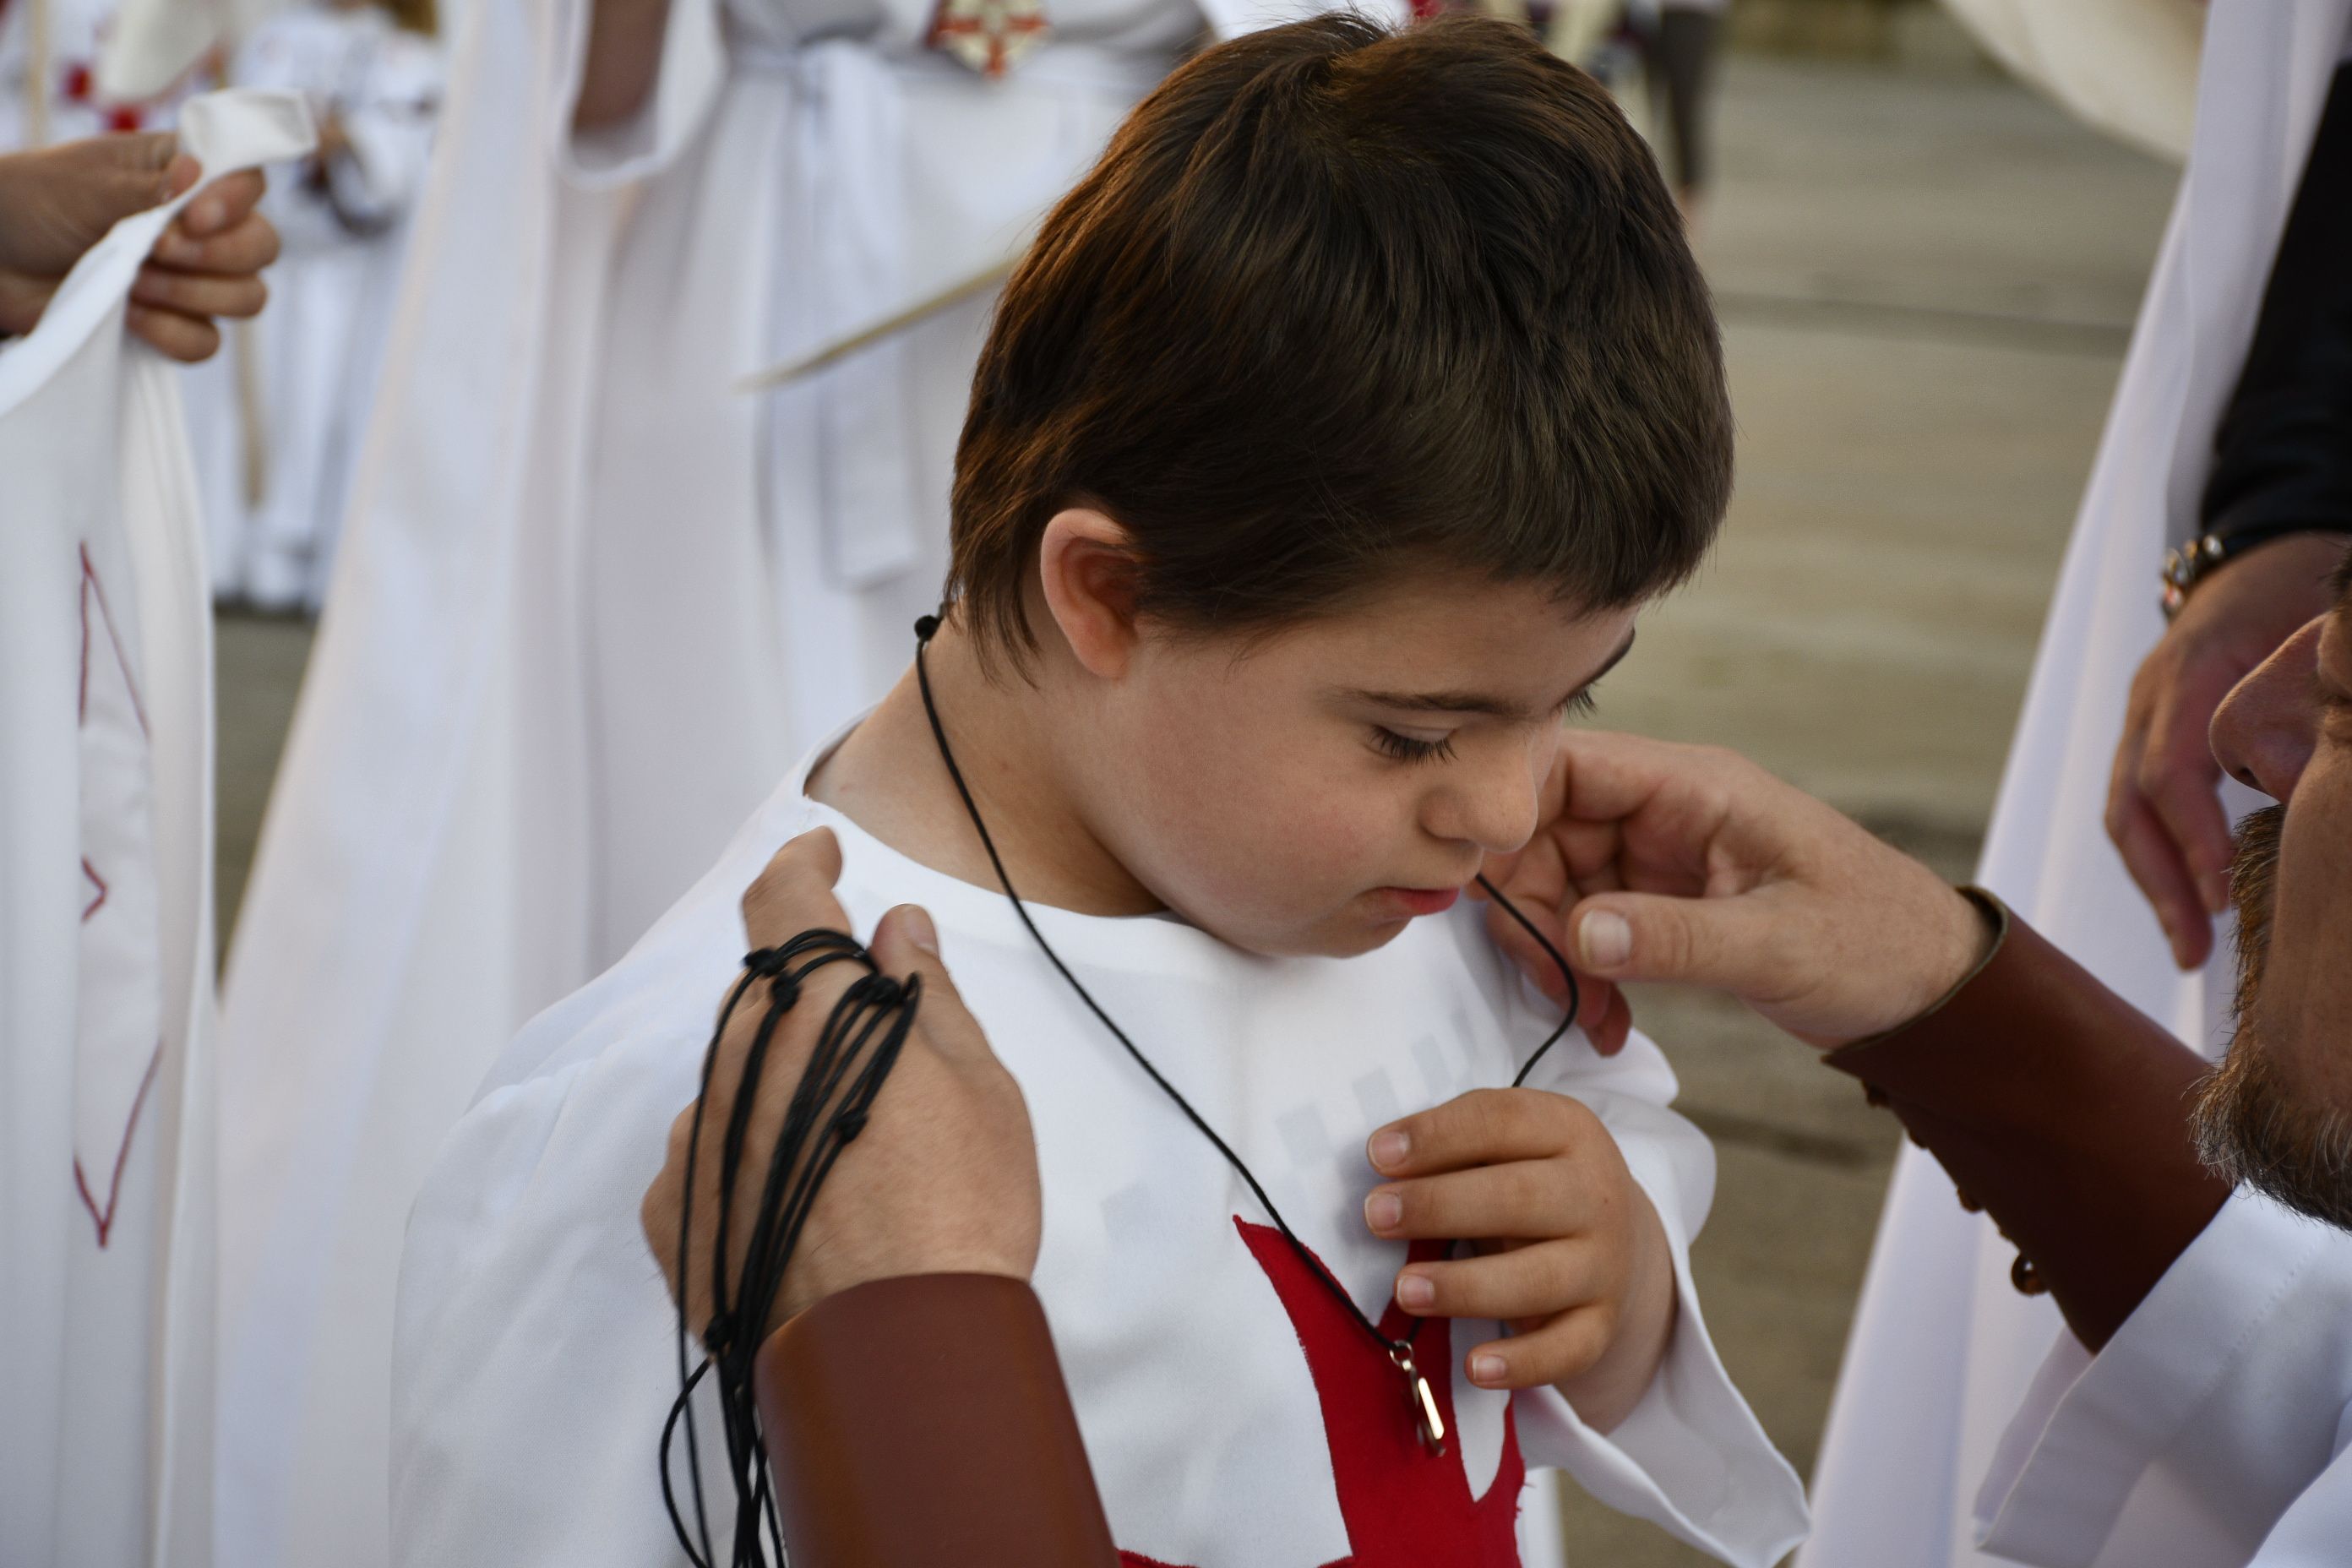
(1321, 455)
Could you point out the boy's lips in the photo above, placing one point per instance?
(1419, 901)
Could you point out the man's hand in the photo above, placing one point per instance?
(57, 202)
(943, 1180)
(1691, 863)
(1569, 1253)
(2162, 812)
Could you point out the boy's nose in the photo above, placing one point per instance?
(1496, 810)
(2264, 732)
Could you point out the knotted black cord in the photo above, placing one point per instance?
(855, 1053)
(925, 629)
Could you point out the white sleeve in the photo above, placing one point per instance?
(1691, 1459)
(533, 1357)
(686, 88)
(1232, 18)
(2229, 1387)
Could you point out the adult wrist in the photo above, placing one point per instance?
(1977, 926)
(2188, 565)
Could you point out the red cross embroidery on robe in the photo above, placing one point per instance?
(106, 664)
(1404, 1507)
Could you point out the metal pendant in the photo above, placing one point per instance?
(1428, 1424)
(988, 36)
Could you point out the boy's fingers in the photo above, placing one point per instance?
(1533, 1281)
(1555, 1351)
(1530, 1200)
(223, 203)
(1484, 1127)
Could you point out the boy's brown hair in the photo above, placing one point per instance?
(1340, 303)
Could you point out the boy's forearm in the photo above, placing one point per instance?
(1606, 1393)
(625, 50)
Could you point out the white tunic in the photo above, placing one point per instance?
(1943, 1349)
(106, 945)
(2214, 1428)
(591, 602)
(535, 1358)
(344, 229)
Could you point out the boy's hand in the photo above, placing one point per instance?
(1569, 1253)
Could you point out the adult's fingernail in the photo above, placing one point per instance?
(1603, 939)
(1487, 1369)
(207, 214)
(1415, 1290)
(1383, 1211)
(920, 932)
(2217, 892)
(1388, 1149)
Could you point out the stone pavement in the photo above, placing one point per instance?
(1927, 280)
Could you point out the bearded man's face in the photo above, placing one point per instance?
(2277, 1114)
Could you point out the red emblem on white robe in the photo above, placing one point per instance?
(988, 36)
(1404, 1507)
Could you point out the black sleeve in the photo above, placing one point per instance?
(2282, 452)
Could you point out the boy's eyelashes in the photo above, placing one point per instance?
(1408, 748)
(1418, 749)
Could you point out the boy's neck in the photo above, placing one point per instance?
(1009, 738)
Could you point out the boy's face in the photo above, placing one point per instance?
(1313, 792)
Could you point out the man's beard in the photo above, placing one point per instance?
(2252, 1126)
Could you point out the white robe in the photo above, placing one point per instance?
(591, 602)
(344, 232)
(1943, 1349)
(1233, 1415)
(106, 965)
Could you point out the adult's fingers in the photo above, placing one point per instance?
(2164, 878)
(1729, 944)
(245, 247)
(23, 298)
(2178, 777)
(906, 943)
(187, 339)
(199, 294)
(223, 203)
(793, 892)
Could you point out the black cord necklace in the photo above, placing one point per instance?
(1428, 1423)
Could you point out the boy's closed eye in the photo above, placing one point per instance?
(1406, 746)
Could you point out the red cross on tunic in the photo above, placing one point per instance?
(1404, 1507)
(988, 36)
(79, 85)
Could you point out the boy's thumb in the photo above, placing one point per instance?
(1715, 943)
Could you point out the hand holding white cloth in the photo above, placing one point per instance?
(106, 1220)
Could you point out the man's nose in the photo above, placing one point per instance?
(2263, 731)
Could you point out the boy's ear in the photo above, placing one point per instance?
(1085, 565)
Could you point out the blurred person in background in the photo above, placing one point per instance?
(373, 76)
(2230, 422)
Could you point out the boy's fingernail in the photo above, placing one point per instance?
(1487, 1369)
(1415, 1290)
(1603, 939)
(919, 929)
(1388, 1149)
(1382, 1211)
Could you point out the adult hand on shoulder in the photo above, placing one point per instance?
(57, 202)
(1692, 865)
(2162, 811)
(943, 1180)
